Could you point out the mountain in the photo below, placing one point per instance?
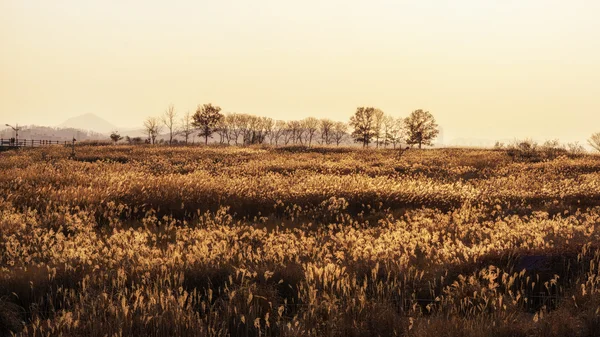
(89, 122)
(29, 132)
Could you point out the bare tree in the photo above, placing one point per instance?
(168, 120)
(310, 126)
(255, 130)
(222, 129)
(378, 117)
(340, 131)
(206, 119)
(396, 131)
(288, 134)
(245, 124)
(326, 127)
(387, 129)
(421, 128)
(363, 122)
(575, 148)
(187, 129)
(296, 130)
(234, 125)
(278, 130)
(594, 141)
(153, 128)
(267, 125)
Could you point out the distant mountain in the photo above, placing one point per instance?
(29, 132)
(89, 122)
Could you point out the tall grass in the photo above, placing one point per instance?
(143, 241)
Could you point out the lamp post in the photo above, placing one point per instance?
(16, 129)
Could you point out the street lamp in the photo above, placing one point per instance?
(16, 129)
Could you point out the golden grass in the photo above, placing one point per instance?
(149, 241)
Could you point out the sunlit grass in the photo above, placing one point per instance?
(209, 241)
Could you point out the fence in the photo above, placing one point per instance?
(30, 142)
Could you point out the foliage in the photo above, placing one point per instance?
(134, 140)
(421, 128)
(206, 119)
(529, 151)
(363, 122)
(115, 137)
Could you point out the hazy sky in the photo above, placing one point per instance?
(485, 68)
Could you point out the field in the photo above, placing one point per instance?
(224, 241)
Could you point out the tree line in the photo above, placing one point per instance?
(368, 125)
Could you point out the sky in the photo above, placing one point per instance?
(484, 68)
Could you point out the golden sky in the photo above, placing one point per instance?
(485, 68)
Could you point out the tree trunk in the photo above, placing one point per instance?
(206, 139)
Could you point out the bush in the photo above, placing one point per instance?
(530, 151)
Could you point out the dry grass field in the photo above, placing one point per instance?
(218, 241)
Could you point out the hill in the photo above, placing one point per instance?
(89, 122)
(52, 133)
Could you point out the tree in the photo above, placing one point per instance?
(296, 131)
(310, 125)
(387, 130)
(115, 136)
(267, 125)
(279, 128)
(594, 141)
(288, 133)
(234, 123)
(363, 121)
(222, 129)
(326, 128)
(134, 140)
(575, 148)
(394, 130)
(421, 128)
(340, 131)
(168, 120)
(186, 129)
(378, 117)
(257, 129)
(243, 128)
(153, 128)
(206, 119)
